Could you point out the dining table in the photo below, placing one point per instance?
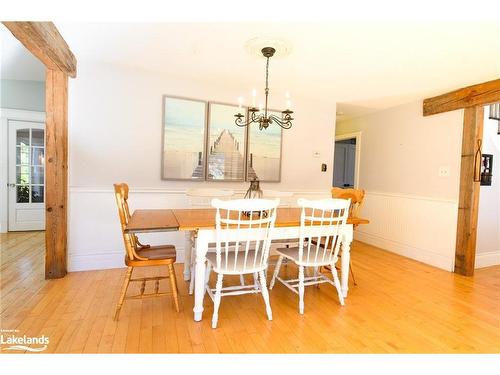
(199, 224)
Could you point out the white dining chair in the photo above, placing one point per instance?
(323, 251)
(201, 198)
(241, 252)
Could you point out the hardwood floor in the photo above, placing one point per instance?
(399, 306)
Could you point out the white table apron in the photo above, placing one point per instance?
(206, 236)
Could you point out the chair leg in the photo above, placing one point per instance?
(265, 294)
(207, 273)
(242, 280)
(218, 291)
(276, 272)
(301, 289)
(352, 273)
(256, 280)
(316, 273)
(191, 267)
(126, 282)
(336, 281)
(173, 283)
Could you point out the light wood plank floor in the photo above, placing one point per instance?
(399, 306)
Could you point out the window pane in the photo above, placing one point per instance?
(23, 137)
(38, 156)
(37, 175)
(37, 194)
(22, 155)
(226, 144)
(37, 137)
(184, 139)
(23, 174)
(23, 194)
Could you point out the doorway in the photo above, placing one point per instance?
(346, 160)
(26, 186)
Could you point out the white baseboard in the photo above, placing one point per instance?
(491, 258)
(102, 261)
(422, 255)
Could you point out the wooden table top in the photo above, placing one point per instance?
(196, 218)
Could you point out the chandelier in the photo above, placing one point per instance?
(261, 115)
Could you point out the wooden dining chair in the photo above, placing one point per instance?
(139, 255)
(356, 196)
(245, 253)
(323, 251)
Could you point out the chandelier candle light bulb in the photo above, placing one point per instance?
(262, 116)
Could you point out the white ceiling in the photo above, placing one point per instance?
(16, 62)
(361, 65)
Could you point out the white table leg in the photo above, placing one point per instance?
(187, 255)
(346, 256)
(199, 276)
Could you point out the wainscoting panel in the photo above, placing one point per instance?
(488, 259)
(420, 228)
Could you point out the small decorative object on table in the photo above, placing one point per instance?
(254, 192)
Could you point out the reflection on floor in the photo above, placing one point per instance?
(399, 306)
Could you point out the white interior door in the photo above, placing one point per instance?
(26, 175)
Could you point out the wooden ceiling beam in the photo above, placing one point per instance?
(477, 95)
(44, 41)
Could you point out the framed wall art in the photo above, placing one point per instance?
(184, 132)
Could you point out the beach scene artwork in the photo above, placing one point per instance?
(226, 144)
(183, 139)
(264, 152)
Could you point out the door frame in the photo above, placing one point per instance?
(357, 136)
(7, 114)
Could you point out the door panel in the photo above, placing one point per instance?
(26, 175)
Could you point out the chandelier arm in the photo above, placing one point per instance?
(284, 123)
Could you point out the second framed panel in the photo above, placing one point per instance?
(226, 147)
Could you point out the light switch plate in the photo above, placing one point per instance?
(444, 171)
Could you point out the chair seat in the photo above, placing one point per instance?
(292, 253)
(231, 269)
(156, 255)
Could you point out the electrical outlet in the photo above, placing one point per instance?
(444, 171)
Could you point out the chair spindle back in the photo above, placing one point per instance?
(249, 250)
(321, 249)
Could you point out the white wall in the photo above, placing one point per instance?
(412, 210)
(488, 230)
(21, 94)
(115, 118)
